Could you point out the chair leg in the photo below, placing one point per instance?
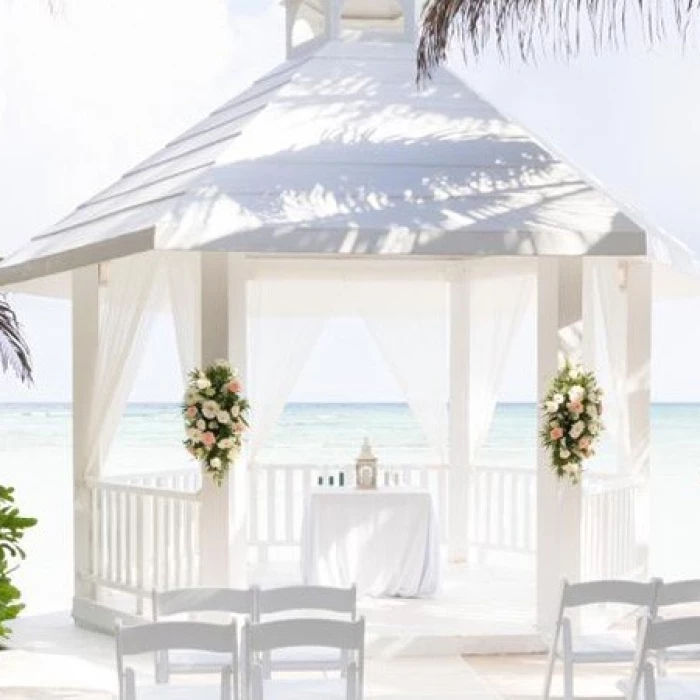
(568, 678)
(551, 660)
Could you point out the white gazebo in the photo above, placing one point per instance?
(334, 185)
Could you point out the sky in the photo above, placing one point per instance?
(89, 91)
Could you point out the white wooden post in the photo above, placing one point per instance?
(86, 322)
(214, 549)
(638, 283)
(223, 545)
(458, 542)
(239, 491)
(560, 335)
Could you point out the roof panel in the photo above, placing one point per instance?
(339, 152)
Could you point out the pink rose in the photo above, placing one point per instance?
(575, 407)
(208, 439)
(556, 433)
(584, 443)
(192, 412)
(234, 386)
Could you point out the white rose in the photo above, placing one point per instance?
(552, 406)
(194, 435)
(577, 429)
(564, 454)
(223, 417)
(592, 411)
(203, 383)
(215, 463)
(236, 411)
(226, 444)
(210, 409)
(201, 425)
(576, 393)
(574, 373)
(558, 398)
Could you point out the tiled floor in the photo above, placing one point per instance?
(478, 609)
(52, 660)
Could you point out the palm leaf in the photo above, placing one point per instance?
(554, 26)
(14, 352)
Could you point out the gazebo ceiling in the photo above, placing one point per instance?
(337, 153)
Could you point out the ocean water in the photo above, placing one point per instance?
(35, 457)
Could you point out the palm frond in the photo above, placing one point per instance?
(14, 351)
(554, 26)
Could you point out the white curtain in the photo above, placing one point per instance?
(184, 274)
(286, 319)
(499, 295)
(126, 311)
(409, 322)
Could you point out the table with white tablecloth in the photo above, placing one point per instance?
(385, 541)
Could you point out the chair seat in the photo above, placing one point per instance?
(305, 659)
(603, 648)
(211, 691)
(304, 690)
(670, 688)
(197, 661)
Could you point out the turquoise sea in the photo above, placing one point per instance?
(35, 457)
(322, 433)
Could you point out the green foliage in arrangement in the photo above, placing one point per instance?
(12, 529)
(571, 420)
(216, 417)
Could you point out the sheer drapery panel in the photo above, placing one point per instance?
(409, 322)
(128, 297)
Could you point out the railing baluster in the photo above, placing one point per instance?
(271, 506)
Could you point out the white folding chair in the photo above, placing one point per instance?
(657, 636)
(266, 637)
(155, 637)
(674, 594)
(197, 601)
(604, 648)
(274, 604)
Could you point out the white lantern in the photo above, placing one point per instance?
(366, 468)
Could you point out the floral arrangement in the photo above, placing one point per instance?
(572, 420)
(216, 416)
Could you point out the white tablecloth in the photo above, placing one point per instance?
(384, 541)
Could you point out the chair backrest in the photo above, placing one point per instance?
(264, 637)
(161, 637)
(296, 599)
(165, 636)
(658, 635)
(284, 634)
(192, 600)
(663, 634)
(633, 593)
(679, 593)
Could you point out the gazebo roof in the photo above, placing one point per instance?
(337, 152)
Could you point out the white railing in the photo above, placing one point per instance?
(278, 493)
(502, 503)
(145, 533)
(503, 510)
(146, 526)
(609, 545)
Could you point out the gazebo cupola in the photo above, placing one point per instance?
(310, 22)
